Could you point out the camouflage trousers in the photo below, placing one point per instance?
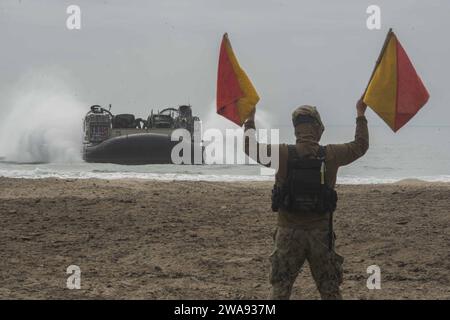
(292, 248)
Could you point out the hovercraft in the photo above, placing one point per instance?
(125, 139)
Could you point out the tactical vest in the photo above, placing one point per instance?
(304, 189)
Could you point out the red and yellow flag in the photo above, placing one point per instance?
(395, 91)
(236, 96)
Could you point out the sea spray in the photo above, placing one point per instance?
(217, 122)
(232, 149)
(42, 124)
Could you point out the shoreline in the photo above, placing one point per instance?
(187, 177)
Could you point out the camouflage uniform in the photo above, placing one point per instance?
(306, 236)
(292, 248)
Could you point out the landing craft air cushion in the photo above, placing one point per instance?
(125, 139)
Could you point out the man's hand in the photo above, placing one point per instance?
(251, 116)
(361, 107)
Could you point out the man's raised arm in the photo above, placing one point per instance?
(251, 144)
(346, 153)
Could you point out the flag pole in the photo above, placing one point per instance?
(380, 56)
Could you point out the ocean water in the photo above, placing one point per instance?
(412, 153)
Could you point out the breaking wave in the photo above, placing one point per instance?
(218, 173)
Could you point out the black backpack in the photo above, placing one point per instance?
(304, 190)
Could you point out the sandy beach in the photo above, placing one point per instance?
(207, 240)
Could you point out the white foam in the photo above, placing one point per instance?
(378, 180)
(41, 173)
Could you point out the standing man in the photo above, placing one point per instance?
(305, 199)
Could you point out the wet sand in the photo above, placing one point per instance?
(209, 240)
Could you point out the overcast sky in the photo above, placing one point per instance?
(142, 54)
